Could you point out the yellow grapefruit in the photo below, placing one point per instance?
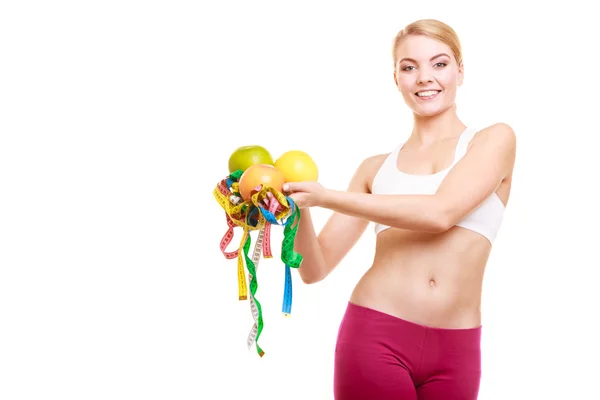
(297, 166)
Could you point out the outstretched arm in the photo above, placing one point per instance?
(476, 176)
(323, 252)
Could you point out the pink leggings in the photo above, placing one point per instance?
(379, 356)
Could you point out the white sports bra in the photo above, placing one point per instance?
(485, 219)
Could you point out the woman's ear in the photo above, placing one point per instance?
(461, 74)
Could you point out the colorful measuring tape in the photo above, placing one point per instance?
(266, 207)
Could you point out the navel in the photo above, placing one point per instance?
(432, 282)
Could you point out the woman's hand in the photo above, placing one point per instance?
(306, 193)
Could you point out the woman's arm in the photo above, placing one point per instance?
(476, 176)
(324, 251)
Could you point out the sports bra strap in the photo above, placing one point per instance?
(463, 143)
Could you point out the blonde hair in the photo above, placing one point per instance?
(435, 30)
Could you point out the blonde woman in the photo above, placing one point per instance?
(412, 328)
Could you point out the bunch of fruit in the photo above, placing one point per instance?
(259, 169)
(253, 199)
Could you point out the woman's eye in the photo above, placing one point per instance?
(437, 65)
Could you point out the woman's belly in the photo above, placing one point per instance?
(429, 279)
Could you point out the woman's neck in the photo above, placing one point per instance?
(431, 129)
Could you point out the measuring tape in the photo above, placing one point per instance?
(266, 207)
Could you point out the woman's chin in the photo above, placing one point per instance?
(429, 110)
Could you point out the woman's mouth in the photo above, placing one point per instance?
(427, 94)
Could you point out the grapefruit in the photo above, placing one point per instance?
(296, 166)
(245, 156)
(260, 174)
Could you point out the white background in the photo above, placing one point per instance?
(112, 285)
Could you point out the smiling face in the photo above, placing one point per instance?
(427, 74)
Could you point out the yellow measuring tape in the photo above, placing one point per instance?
(265, 208)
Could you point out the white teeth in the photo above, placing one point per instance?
(427, 94)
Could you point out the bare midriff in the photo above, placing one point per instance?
(429, 279)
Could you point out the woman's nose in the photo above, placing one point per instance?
(424, 76)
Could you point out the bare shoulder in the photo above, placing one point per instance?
(374, 162)
(368, 168)
(499, 134)
(496, 142)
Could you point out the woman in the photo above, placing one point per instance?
(412, 327)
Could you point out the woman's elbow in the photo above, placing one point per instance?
(441, 220)
(309, 277)
(309, 280)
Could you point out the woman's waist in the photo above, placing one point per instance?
(430, 295)
(450, 264)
